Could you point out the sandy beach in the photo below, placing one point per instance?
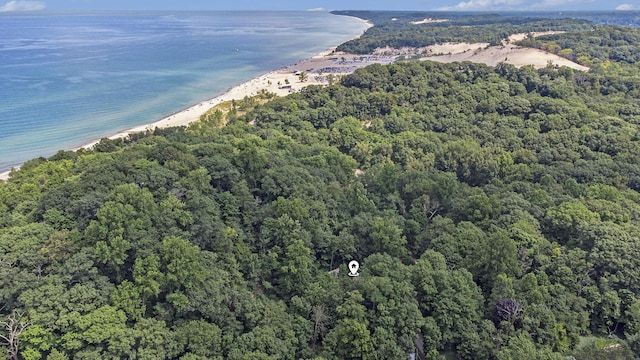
(318, 69)
(280, 82)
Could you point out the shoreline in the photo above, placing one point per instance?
(319, 69)
(251, 87)
(280, 81)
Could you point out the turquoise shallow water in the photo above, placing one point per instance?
(67, 78)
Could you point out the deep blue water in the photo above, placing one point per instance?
(67, 78)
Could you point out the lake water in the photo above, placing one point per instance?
(67, 78)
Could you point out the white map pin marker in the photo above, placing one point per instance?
(353, 268)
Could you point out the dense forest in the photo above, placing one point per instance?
(397, 30)
(603, 45)
(495, 214)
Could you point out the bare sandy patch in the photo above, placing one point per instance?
(429, 21)
(522, 36)
(437, 49)
(483, 53)
(509, 54)
(455, 48)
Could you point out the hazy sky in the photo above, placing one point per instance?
(25, 5)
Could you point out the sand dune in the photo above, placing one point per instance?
(483, 53)
(493, 55)
(522, 36)
(507, 53)
(429, 21)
